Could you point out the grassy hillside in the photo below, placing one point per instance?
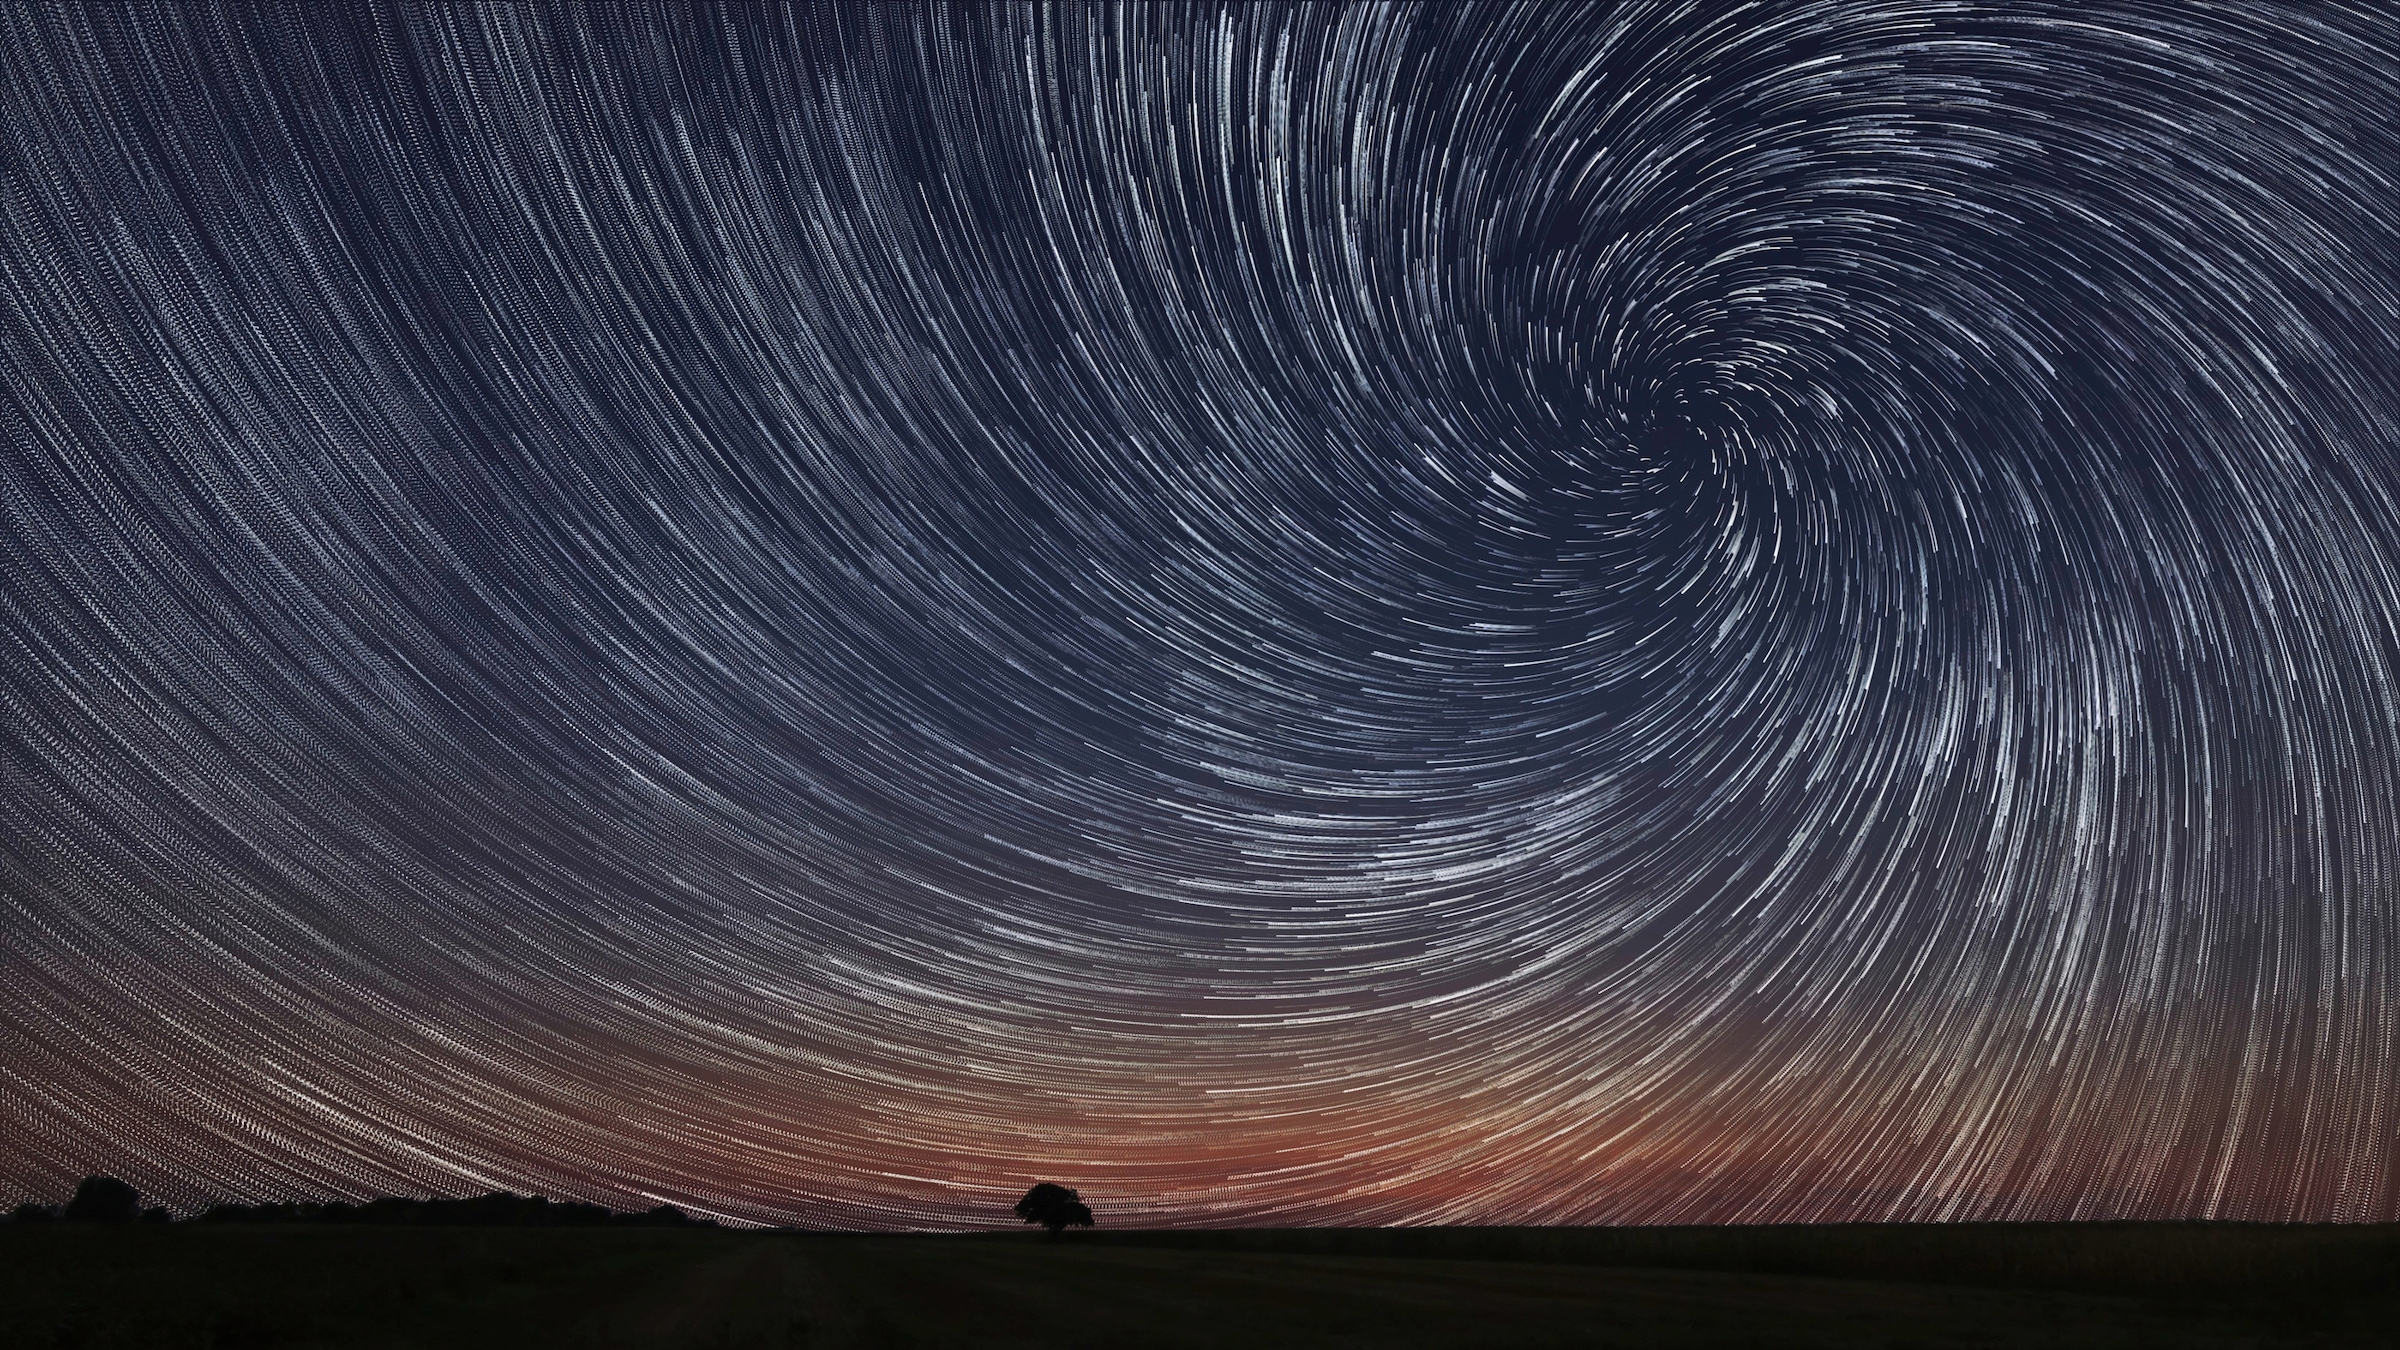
(205, 1285)
(297, 1285)
(2231, 1259)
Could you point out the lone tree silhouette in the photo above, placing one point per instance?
(104, 1200)
(1054, 1207)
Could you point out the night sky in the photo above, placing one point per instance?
(1616, 613)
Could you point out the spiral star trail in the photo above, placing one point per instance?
(1525, 614)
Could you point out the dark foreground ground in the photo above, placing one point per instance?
(2029, 1285)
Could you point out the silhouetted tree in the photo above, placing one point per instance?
(1054, 1207)
(105, 1200)
(32, 1212)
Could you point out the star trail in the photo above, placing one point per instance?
(1511, 614)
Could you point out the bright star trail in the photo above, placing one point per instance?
(1622, 613)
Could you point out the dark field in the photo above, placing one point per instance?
(1995, 1285)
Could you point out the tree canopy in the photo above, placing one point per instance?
(1054, 1207)
(105, 1200)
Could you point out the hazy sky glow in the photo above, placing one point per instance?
(1567, 614)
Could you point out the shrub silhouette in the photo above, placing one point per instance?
(104, 1200)
(1054, 1207)
(664, 1216)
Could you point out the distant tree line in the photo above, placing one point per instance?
(108, 1200)
(97, 1200)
